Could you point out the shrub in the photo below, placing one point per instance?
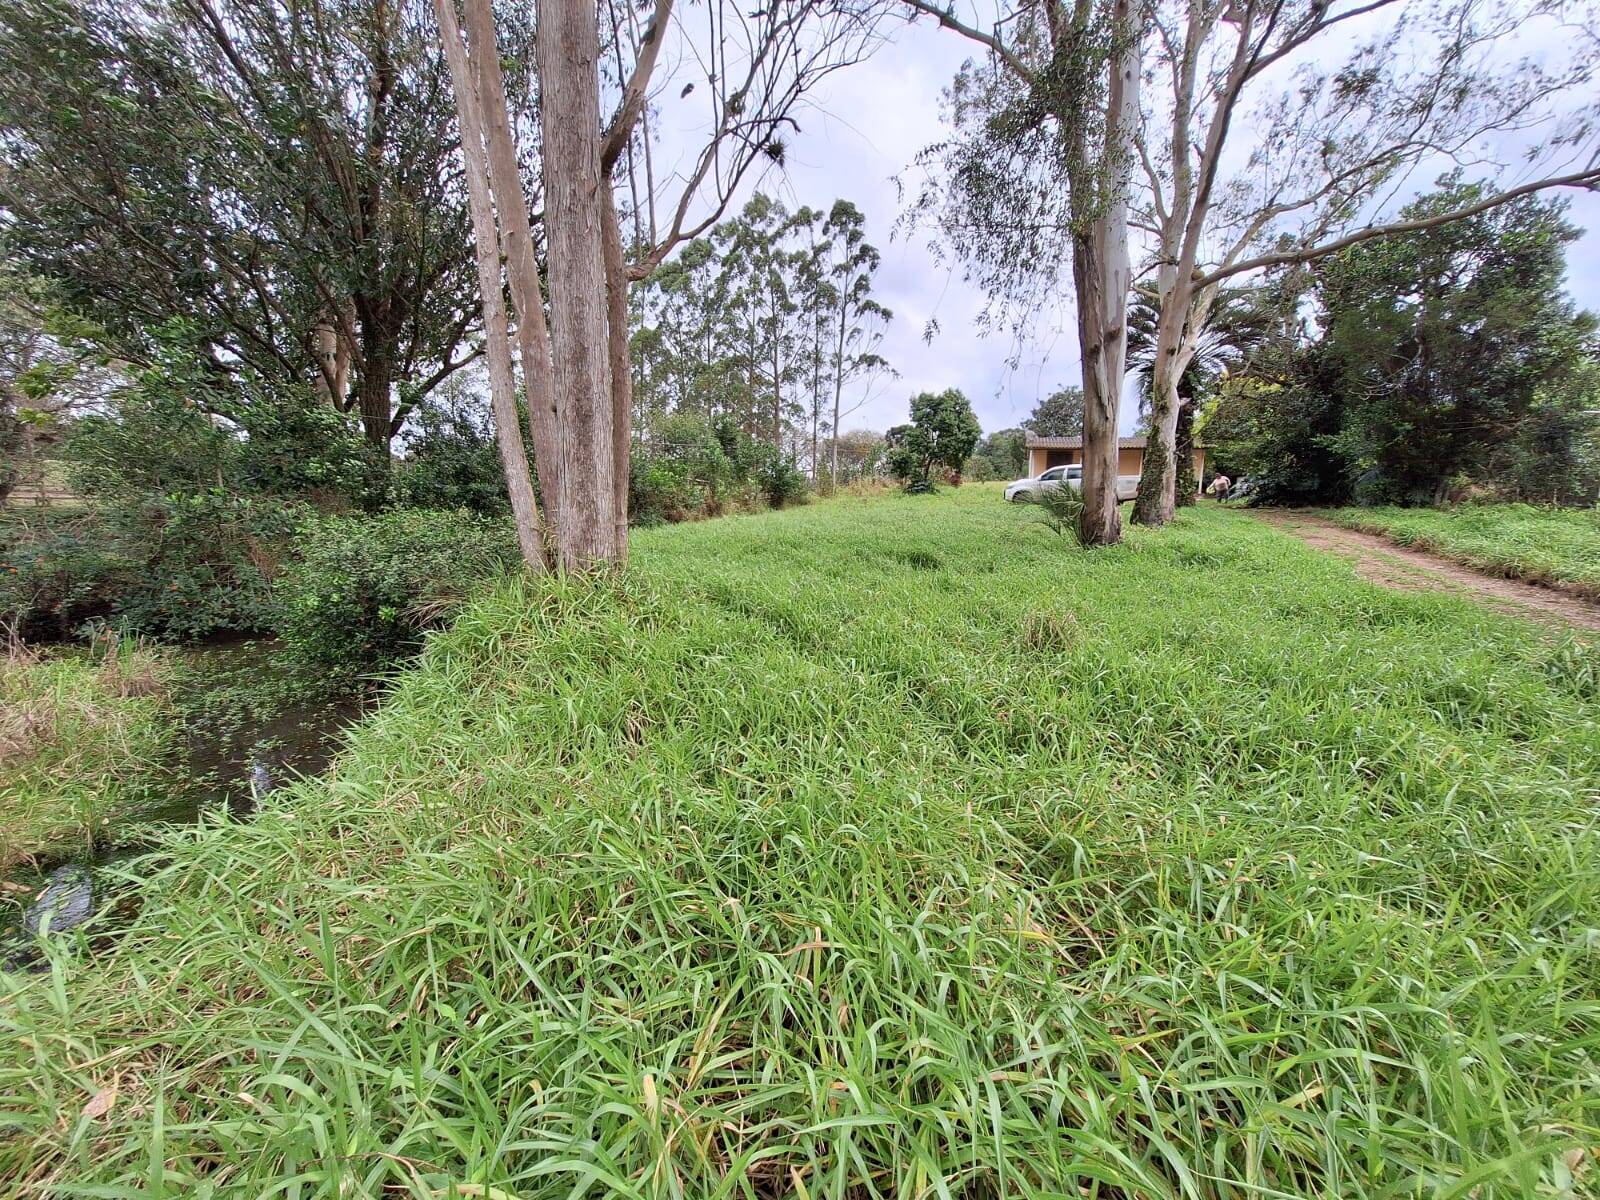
(366, 589)
(453, 460)
(660, 489)
(781, 482)
(692, 468)
(1062, 507)
(178, 565)
(171, 433)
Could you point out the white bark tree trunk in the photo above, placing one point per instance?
(1102, 272)
(522, 265)
(502, 381)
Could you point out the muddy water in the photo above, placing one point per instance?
(244, 719)
(245, 707)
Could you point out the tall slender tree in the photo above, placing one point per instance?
(1350, 127)
(1037, 173)
(762, 66)
(859, 319)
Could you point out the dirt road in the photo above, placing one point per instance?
(1382, 562)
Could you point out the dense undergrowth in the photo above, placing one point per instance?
(880, 848)
(1555, 546)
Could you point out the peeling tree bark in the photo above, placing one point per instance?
(1102, 273)
(569, 109)
(502, 382)
(621, 366)
(522, 264)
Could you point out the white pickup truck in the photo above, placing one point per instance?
(1024, 490)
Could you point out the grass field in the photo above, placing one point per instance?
(76, 732)
(880, 848)
(1544, 545)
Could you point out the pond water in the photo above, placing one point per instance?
(246, 719)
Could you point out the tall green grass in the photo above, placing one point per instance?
(80, 733)
(880, 848)
(1555, 546)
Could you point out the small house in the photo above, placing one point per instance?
(1047, 452)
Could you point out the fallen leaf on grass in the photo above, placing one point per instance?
(100, 1103)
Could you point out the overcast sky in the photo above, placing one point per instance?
(863, 127)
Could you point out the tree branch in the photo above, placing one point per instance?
(620, 128)
(1589, 179)
(995, 46)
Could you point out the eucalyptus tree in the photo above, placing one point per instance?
(1241, 320)
(767, 320)
(275, 185)
(815, 298)
(1331, 134)
(756, 254)
(857, 320)
(1037, 175)
(750, 71)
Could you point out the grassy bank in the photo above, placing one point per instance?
(77, 733)
(1554, 546)
(880, 848)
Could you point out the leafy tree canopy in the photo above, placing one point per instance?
(1060, 414)
(943, 433)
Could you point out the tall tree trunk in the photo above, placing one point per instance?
(1186, 487)
(569, 110)
(325, 343)
(522, 265)
(1102, 274)
(621, 367)
(486, 243)
(1100, 523)
(838, 390)
(374, 393)
(1157, 478)
(777, 390)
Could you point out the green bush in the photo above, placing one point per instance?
(692, 468)
(170, 433)
(782, 483)
(453, 460)
(180, 565)
(365, 589)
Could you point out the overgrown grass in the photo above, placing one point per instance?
(76, 733)
(1554, 546)
(880, 848)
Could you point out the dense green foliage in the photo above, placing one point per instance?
(943, 433)
(1545, 545)
(1002, 455)
(1439, 360)
(452, 459)
(178, 564)
(692, 467)
(245, 180)
(363, 590)
(1060, 414)
(880, 847)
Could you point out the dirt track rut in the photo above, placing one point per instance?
(1381, 561)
